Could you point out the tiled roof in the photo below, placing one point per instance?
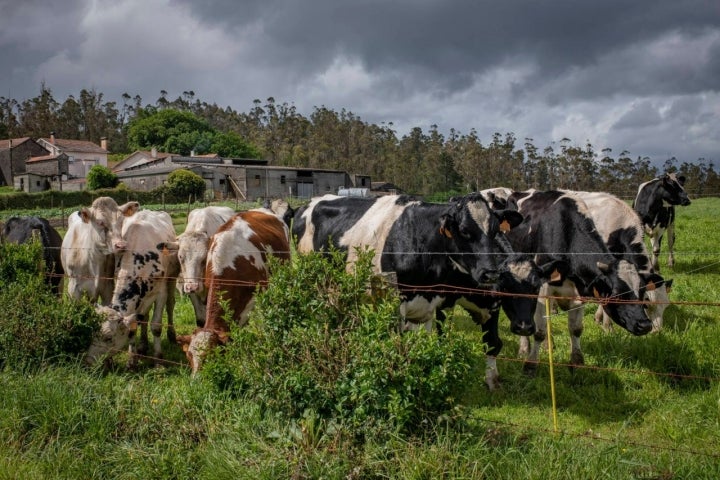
(42, 158)
(76, 145)
(5, 144)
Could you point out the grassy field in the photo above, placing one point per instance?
(643, 408)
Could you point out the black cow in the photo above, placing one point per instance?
(655, 204)
(24, 229)
(557, 226)
(425, 244)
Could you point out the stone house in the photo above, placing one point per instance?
(82, 155)
(14, 153)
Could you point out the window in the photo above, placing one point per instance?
(257, 180)
(282, 179)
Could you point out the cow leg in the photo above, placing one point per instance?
(133, 349)
(491, 338)
(531, 357)
(670, 234)
(157, 324)
(170, 309)
(603, 319)
(199, 307)
(575, 327)
(655, 241)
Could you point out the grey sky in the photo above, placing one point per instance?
(640, 75)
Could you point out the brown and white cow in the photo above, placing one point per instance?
(236, 266)
(89, 270)
(144, 278)
(191, 248)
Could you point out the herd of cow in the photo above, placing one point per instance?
(485, 251)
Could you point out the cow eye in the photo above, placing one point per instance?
(465, 233)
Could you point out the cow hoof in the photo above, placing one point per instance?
(493, 384)
(530, 369)
(577, 358)
(171, 335)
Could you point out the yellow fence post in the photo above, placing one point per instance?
(550, 355)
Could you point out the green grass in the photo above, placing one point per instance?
(645, 408)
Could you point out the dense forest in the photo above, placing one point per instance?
(420, 162)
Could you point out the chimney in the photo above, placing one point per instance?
(192, 153)
(103, 143)
(52, 138)
(153, 152)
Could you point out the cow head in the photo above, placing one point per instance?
(470, 227)
(673, 191)
(107, 218)
(197, 346)
(113, 336)
(620, 281)
(520, 279)
(192, 250)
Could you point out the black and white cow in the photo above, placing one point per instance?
(24, 229)
(425, 244)
(655, 204)
(558, 226)
(622, 231)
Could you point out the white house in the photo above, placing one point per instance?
(82, 154)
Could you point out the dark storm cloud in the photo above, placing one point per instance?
(449, 42)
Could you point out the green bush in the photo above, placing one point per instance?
(36, 326)
(184, 183)
(319, 345)
(100, 176)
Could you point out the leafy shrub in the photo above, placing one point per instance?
(184, 183)
(318, 342)
(100, 176)
(37, 326)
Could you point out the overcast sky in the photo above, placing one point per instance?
(636, 75)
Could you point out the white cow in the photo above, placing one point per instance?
(106, 217)
(144, 278)
(89, 270)
(191, 248)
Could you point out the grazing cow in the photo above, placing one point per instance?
(425, 244)
(191, 248)
(145, 278)
(112, 337)
(558, 226)
(622, 231)
(88, 269)
(24, 229)
(107, 218)
(655, 204)
(236, 266)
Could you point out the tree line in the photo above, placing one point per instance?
(421, 162)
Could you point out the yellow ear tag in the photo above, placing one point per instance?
(446, 232)
(555, 276)
(505, 226)
(650, 286)
(669, 289)
(165, 251)
(596, 293)
(133, 326)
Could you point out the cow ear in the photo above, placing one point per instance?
(168, 247)
(84, 215)
(681, 180)
(131, 322)
(447, 223)
(555, 272)
(184, 341)
(600, 288)
(223, 338)
(668, 284)
(129, 209)
(509, 219)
